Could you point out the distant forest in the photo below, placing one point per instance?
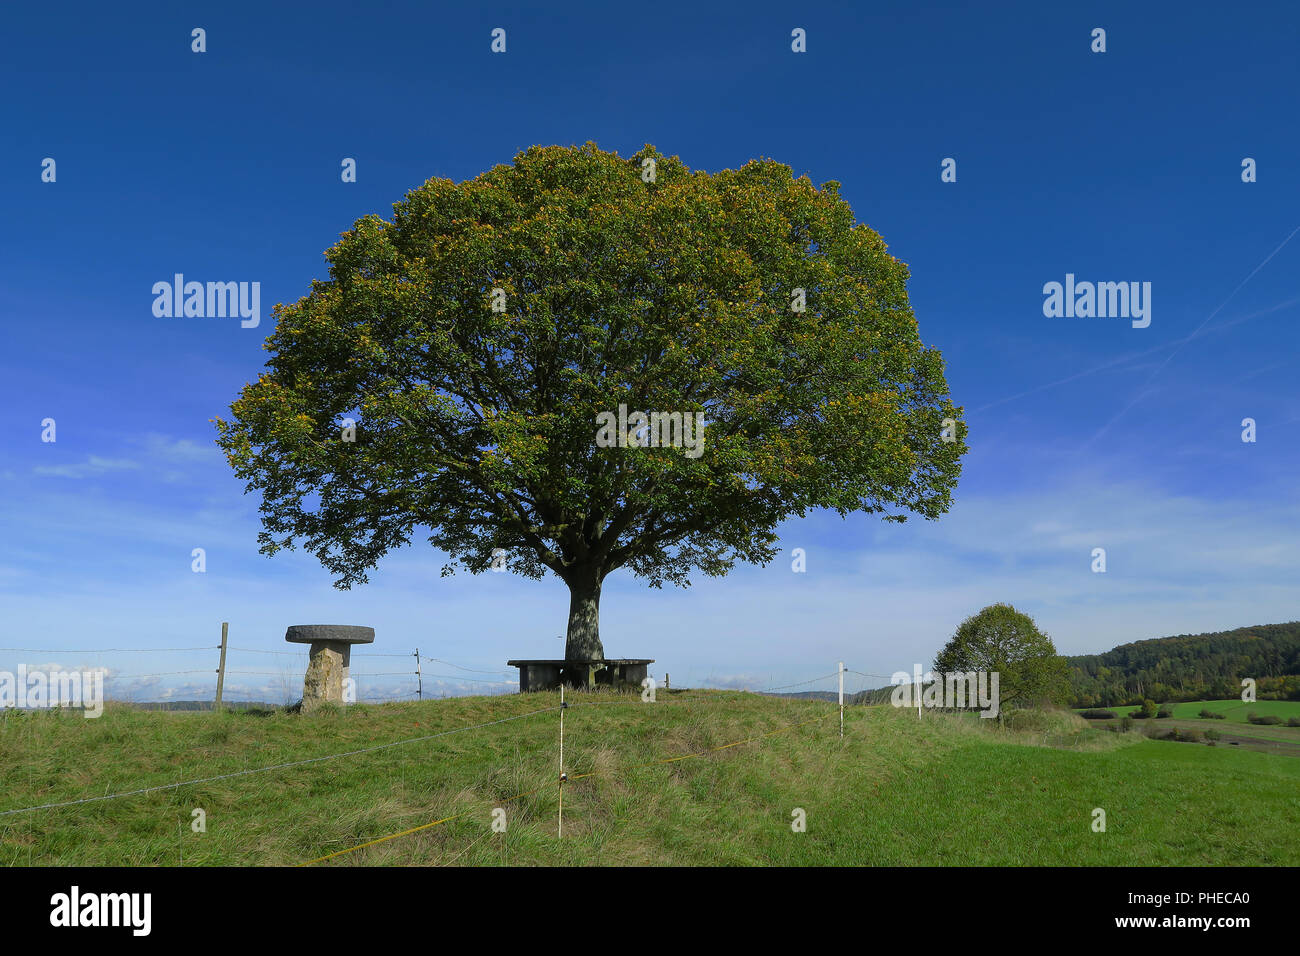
(1185, 667)
(1191, 667)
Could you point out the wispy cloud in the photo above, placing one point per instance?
(180, 451)
(92, 466)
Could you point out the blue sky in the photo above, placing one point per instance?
(1084, 432)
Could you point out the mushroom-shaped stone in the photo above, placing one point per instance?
(331, 653)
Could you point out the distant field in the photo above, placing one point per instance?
(1234, 711)
(896, 790)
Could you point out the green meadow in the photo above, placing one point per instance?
(1235, 723)
(697, 778)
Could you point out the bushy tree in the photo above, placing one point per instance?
(1002, 639)
(477, 336)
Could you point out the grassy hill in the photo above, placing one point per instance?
(896, 789)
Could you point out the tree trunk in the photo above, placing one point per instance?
(583, 641)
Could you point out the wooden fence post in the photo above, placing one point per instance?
(221, 666)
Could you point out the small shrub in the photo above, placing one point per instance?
(1268, 719)
(1125, 724)
(1183, 736)
(1293, 721)
(1164, 712)
(1145, 712)
(1207, 714)
(1098, 714)
(1212, 735)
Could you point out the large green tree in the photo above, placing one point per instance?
(1002, 639)
(475, 337)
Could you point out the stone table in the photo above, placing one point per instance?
(548, 674)
(331, 652)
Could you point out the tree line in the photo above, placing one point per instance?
(1191, 667)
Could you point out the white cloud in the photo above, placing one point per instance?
(880, 597)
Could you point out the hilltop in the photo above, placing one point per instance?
(896, 789)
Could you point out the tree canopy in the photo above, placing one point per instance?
(477, 337)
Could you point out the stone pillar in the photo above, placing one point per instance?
(326, 671)
(539, 677)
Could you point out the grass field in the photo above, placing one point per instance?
(895, 790)
(1234, 711)
(1234, 722)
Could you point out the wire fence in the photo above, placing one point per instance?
(254, 770)
(829, 689)
(247, 683)
(257, 675)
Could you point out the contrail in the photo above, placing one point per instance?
(1159, 368)
(1123, 359)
